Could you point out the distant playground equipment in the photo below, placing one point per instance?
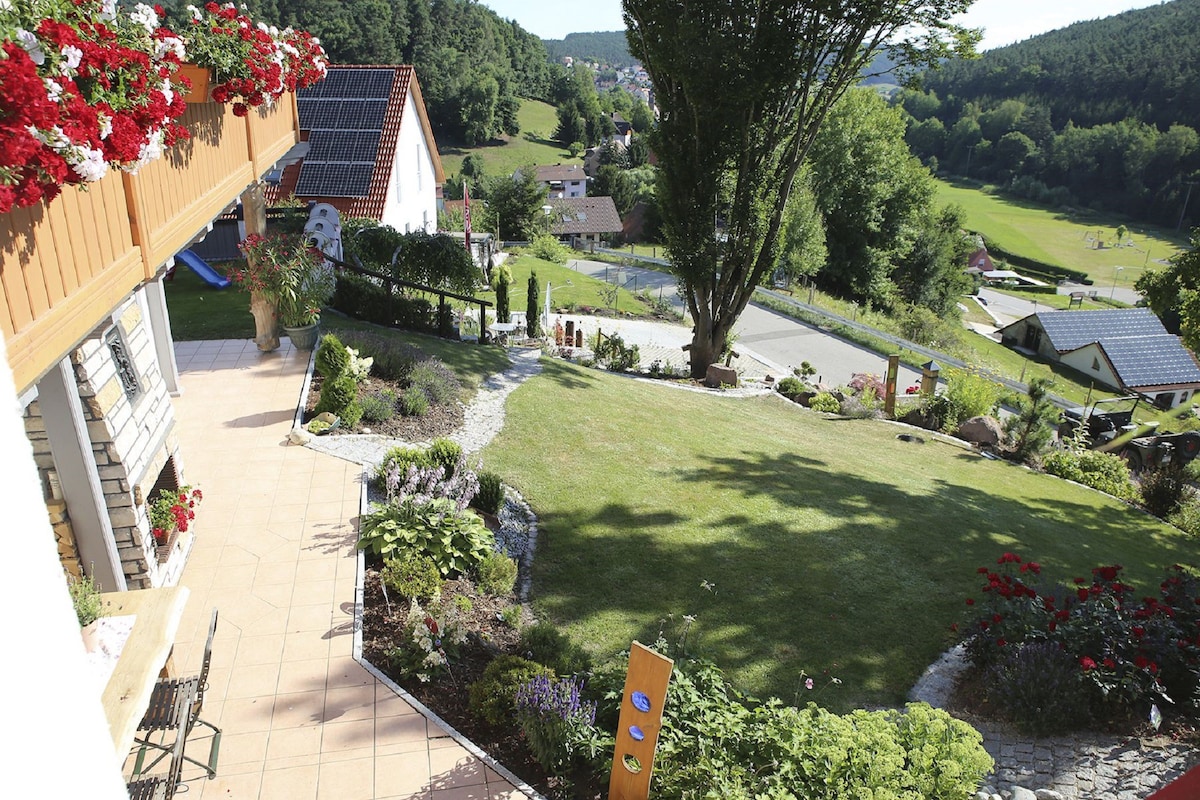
(201, 267)
(324, 230)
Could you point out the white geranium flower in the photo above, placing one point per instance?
(53, 89)
(89, 164)
(32, 46)
(72, 56)
(145, 16)
(195, 12)
(105, 125)
(108, 10)
(152, 150)
(171, 44)
(165, 88)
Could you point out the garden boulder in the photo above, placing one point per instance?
(720, 375)
(983, 431)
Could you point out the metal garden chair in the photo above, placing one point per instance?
(164, 711)
(162, 787)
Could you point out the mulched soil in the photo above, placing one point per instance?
(447, 694)
(437, 421)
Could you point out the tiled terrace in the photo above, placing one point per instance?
(274, 552)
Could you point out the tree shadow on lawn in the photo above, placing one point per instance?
(567, 375)
(852, 578)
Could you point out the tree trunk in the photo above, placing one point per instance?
(266, 322)
(705, 348)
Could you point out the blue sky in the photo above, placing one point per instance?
(1004, 21)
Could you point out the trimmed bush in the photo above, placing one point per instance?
(436, 380)
(826, 402)
(546, 644)
(1103, 471)
(791, 388)
(331, 359)
(413, 575)
(444, 453)
(402, 457)
(414, 403)
(337, 396)
(378, 406)
(497, 574)
(491, 697)
(491, 493)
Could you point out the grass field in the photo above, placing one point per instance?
(1056, 237)
(829, 542)
(533, 145)
(569, 288)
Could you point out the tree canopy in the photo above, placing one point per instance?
(743, 87)
(1173, 293)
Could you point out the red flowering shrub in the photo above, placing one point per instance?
(1134, 652)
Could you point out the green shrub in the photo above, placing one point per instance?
(352, 414)
(337, 396)
(1105, 472)
(969, 393)
(824, 401)
(548, 248)
(612, 353)
(1187, 516)
(413, 403)
(491, 697)
(546, 644)
(497, 574)
(490, 497)
(715, 742)
(413, 575)
(445, 453)
(457, 541)
(436, 380)
(331, 359)
(378, 406)
(1162, 490)
(558, 723)
(86, 598)
(790, 387)
(402, 457)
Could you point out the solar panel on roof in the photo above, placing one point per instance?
(334, 180)
(343, 146)
(1151, 360)
(342, 114)
(352, 84)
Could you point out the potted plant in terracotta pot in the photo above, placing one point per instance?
(171, 511)
(89, 607)
(289, 281)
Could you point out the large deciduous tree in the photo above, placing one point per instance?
(743, 87)
(1173, 293)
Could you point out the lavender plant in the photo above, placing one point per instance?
(557, 722)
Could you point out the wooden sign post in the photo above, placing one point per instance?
(642, 704)
(889, 386)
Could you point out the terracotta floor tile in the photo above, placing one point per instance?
(289, 742)
(246, 715)
(242, 748)
(350, 703)
(454, 766)
(351, 735)
(303, 676)
(346, 780)
(253, 650)
(402, 775)
(292, 783)
(300, 709)
(258, 680)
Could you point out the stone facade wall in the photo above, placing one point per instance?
(132, 440)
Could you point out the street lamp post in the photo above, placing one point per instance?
(1116, 273)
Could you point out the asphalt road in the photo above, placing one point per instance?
(772, 337)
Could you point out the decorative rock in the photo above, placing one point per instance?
(720, 375)
(981, 430)
(1048, 794)
(299, 436)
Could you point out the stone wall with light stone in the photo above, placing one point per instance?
(133, 439)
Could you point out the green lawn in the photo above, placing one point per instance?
(533, 145)
(832, 545)
(569, 288)
(1068, 240)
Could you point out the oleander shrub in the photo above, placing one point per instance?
(544, 643)
(491, 697)
(413, 403)
(1162, 490)
(1037, 685)
(825, 401)
(378, 406)
(436, 380)
(491, 493)
(413, 575)
(496, 574)
(331, 359)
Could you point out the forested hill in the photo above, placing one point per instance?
(1141, 64)
(473, 66)
(606, 47)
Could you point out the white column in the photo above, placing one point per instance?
(50, 708)
(71, 446)
(153, 299)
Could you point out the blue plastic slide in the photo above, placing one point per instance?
(199, 266)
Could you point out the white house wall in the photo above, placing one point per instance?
(412, 189)
(1090, 361)
(53, 712)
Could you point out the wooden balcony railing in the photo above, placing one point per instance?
(66, 264)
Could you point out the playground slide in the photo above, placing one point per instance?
(199, 266)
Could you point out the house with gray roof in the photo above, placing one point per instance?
(590, 219)
(1125, 349)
